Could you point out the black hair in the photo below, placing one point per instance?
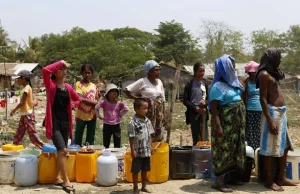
(138, 102)
(52, 75)
(87, 66)
(197, 66)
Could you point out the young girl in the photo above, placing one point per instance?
(58, 120)
(113, 111)
(27, 120)
(85, 113)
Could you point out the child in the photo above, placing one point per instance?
(58, 120)
(85, 113)
(27, 120)
(139, 131)
(113, 111)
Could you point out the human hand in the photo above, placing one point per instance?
(133, 154)
(202, 111)
(12, 112)
(152, 151)
(273, 128)
(202, 102)
(219, 132)
(65, 63)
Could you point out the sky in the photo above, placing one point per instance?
(37, 17)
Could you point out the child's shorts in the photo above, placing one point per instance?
(139, 164)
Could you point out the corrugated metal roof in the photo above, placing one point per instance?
(15, 68)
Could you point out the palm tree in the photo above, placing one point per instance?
(32, 50)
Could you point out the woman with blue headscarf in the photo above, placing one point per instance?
(151, 88)
(228, 123)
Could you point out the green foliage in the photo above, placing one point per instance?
(175, 43)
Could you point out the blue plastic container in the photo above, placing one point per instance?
(49, 148)
(202, 162)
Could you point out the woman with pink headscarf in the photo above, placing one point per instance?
(251, 99)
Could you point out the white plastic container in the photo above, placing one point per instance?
(249, 151)
(293, 166)
(107, 169)
(7, 167)
(120, 157)
(26, 170)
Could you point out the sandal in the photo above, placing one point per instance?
(69, 189)
(59, 184)
(222, 188)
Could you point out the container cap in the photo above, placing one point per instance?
(73, 148)
(106, 152)
(49, 148)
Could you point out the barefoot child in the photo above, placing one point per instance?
(139, 131)
(113, 111)
(27, 120)
(275, 140)
(85, 113)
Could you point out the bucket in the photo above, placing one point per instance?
(7, 166)
(246, 174)
(293, 166)
(34, 152)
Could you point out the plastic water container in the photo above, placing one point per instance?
(249, 151)
(181, 162)
(120, 157)
(49, 148)
(159, 163)
(7, 166)
(47, 168)
(86, 166)
(202, 162)
(34, 152)
(128, 163)
(26, 170)
(293, 166)
(12, 147)
(107, 169)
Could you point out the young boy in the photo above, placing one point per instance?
(139, 132)
(275, 141)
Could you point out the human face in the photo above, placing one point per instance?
(154, 72)
(200, 72)
(142, 110)
(86, 75)
(21, 81)
(61, 74)
(112, 94)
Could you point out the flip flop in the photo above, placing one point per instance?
(222, 188)
(69, 189)
(59, 184)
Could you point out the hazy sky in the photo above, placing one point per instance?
(22, 18)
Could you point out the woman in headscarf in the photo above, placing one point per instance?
(251, 99)
(151, 88)
(228, 122)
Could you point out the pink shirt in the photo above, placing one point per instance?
(50, 86)
(112, 112)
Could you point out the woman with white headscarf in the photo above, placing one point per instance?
(151, 88)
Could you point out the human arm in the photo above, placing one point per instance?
(49, 69)
(123, 110)
(97, 109)
(264, 79)
(216, 119)
(244, 93)
(22, 101)
(78, 88)
(131, 135)
(186, 97)
(134, 88)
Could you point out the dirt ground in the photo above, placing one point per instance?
(171, 186)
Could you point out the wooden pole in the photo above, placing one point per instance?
(6, 101)
(174, 94)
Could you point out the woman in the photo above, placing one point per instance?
(195, 99)
(251, 99)
(151, 88)
(58, 120)
(228, 121)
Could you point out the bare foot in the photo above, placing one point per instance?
(145, 190)
(136, 191)
(274, 187)
(285, 182)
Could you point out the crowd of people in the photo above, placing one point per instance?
(251, 110)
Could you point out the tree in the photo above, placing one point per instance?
(219, 39)
(261, 40)
(174, 43)
(291, 62)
